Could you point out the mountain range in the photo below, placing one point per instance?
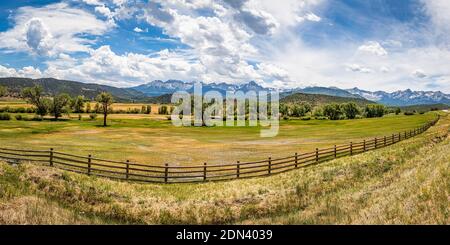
(398, 98)
(159, 90)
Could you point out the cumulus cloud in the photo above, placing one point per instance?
(51, 29)
(374, 48)
(38, 37)
(28, 71)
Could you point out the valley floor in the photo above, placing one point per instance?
(408, 183)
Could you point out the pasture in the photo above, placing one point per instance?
(407, 183)
(152, 139)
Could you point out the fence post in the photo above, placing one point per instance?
(270, 165)
(405, 136)
(204, 171)
(51, 157)
(238, 169)
(376, 143)
(384, 140)
(399, 137)
(364, 146)
(89, 164)
(393, 139)
(351, 148)
(335, 151)
(317, 154)
(296, 160)
(128, 169)
(166, 173)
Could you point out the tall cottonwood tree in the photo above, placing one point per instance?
(59, 105)
(105, 100)
(34, 96)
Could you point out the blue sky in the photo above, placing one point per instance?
(375, 44)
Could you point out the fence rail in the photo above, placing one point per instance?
(202, 173)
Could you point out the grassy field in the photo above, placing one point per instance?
(407, 183)
(153, 139)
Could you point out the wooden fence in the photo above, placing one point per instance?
(201, 173)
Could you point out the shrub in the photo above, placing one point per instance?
(408, 113)
(333, 111)
(321, 118)
(18, 117)
(162, 110)
(37, 118)
(5, 117)
(351, 110)
(375, 110)
(93, 116)
(306, 118)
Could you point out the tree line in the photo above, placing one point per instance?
(333, 111)
(62, 103)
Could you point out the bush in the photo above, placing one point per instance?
(375, 110)
(306, 118)
(408, 113)
(162, 110)
(351, 110)
(93, 116)
(322, 118)
(18, 117)
(5, 117)
(37, 118)
(333, 111)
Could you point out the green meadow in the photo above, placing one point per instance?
(152, 139)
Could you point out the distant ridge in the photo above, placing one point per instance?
(320, 99)
(53, 86)
(160, 91)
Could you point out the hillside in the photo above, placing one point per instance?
(425, 108)
(318, 99)
(54, 86)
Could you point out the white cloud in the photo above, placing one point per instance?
(373, 48)
(28, 71)
(358, 68)
(51, 29)
(138, 30)
(38, 38)
(310, 17)
(419, 73)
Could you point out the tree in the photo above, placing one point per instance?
(149, 109)
(375, 110)
(88, 107)
(300, 110)
(105, 100)
(333, 111)
(3, 91)
(398, 111)
(78, 104)
(162, 110)
(284, 109)
(351, 110)
(34, 96)
(58, 105)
